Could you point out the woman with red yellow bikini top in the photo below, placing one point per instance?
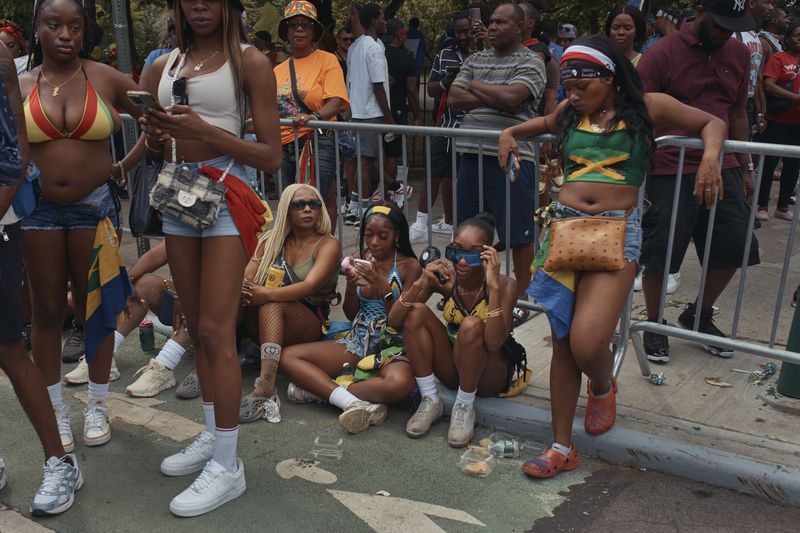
(69, 114)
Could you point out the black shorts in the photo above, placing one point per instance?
(11, 283)
(730, 227)
(442, 158)
(522, 192)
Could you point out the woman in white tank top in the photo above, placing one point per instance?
(225, 80)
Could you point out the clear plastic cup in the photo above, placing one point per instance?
(478, 462)
(327, 448)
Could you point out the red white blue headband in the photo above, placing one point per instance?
(586, 63)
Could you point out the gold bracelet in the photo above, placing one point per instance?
(147, 145)
(404, 303)
(494, 313)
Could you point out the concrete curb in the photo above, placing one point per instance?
(629, 447)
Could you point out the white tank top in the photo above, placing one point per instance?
(753, 43)
(212, 96)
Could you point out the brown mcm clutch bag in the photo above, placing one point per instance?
(587, 243)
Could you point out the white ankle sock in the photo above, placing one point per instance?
(170, 354)
(55, 395)
(467, 398)
(560, 448)
(225, 447)
(98, 392)
(427, 387)
(341, 398)
(422, 219)
(119, 338)
(208, 414)
(353, 202)
(271, 350)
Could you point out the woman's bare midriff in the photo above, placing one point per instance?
(71, 168)
(594, 198)
(191, 151)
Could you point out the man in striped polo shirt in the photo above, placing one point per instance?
(498, 88)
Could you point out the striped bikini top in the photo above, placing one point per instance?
(96, 123)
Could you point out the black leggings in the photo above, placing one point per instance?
(779, 134)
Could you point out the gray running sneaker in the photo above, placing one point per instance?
(2, 474)
(61, 479)
(428, 413)
(189, 387)
(462, 425)
(74, 345)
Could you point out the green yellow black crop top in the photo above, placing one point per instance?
(611, 156)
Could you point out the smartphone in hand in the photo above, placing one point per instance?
(144, 100)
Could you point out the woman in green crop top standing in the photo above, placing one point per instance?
(605, 129)
(287, 289)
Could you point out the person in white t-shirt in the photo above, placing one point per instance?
(368, 87)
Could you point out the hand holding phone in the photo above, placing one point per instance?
(513, 167)
(144, 100)
(475, 16)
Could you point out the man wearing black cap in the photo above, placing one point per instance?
(702, 66)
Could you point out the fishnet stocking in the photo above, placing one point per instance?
(284, 324)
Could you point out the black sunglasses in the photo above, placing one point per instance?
(300, 205)
(348, 39)
(297, 24)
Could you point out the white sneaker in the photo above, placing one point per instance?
(637, 282)
(462, 425)
(442, 227)
(154, 378)
(418, 233)
(60, 480)
(2, 474)
(96, 430)
(215, 486)
(360, 415)
(80, 374)
(64, 428)
(673, 282)
(190, 459)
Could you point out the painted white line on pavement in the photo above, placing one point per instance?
(306, 469)
(13, 522)
(140, 412)
(398, 515)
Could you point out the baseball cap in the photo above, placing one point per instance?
(730, 15)
(393, 27)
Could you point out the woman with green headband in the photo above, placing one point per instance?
(367, 360)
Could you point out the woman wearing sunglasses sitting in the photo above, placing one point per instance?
(371, 372)
(288, 286)
(473, 350)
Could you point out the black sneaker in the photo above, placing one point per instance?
(686, 321)
(74, 345)
(351, 219)
(656, 347)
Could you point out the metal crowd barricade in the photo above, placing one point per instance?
(627, 330)
(636, 328)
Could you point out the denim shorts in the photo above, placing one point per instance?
(633, 229)
(224, 226)
(86, 213)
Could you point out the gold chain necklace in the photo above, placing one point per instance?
(595, 126)
(58, 87)
(200, 65)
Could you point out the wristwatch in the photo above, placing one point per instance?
(388, 297)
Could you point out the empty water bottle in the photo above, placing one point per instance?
(505, 448)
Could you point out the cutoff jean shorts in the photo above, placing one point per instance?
(224, 226)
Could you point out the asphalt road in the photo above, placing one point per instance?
(124, 490)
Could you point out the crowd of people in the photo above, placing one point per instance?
(215, 110)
